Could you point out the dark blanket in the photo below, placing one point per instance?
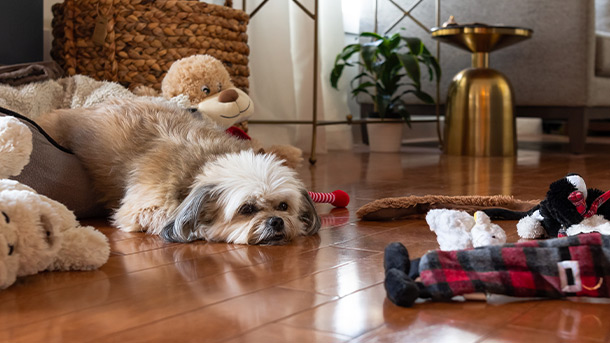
(20, 74)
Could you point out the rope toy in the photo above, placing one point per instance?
(337, 198)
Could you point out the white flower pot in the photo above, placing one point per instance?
(384, 137)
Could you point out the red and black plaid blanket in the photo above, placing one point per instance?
(570, 266)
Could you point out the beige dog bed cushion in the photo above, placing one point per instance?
(56, 173)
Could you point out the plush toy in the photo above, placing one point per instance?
(555, 268)
(456, 229)
(567, 203)
(36, 232)
(337, 198)
(202, 84)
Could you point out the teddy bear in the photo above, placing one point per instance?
(553, 268)
(203, 85)
(36, 232)
(457, 229)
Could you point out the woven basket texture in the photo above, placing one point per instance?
(142, 38)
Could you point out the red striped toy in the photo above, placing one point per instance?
(337, 198)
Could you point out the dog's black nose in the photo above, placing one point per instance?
(276, 223)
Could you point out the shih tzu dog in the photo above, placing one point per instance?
(166, 172)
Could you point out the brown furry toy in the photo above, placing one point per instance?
(202, 84)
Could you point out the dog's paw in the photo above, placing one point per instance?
(149, 219)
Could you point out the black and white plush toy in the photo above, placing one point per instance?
(567, 203)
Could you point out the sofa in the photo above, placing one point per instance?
(561, 73)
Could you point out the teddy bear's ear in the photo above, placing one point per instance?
(49, 231)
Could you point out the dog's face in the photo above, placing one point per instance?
(244, 198)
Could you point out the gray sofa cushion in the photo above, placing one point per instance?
(58, 174)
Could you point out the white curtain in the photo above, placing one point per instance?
(281, 73)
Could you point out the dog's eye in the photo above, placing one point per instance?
(246, 209)
(6, 218)
(205, 89)
(282, 206)
(11, 248)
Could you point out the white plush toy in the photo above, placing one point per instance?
(36, 232)
(457, 230)
(595, 223)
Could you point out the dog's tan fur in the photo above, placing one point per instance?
(143, 156)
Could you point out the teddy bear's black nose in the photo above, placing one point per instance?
(228, 95)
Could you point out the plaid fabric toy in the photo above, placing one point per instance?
(570, 266)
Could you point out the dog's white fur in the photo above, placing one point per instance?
(166, 172)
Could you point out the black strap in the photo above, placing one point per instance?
(30, 121)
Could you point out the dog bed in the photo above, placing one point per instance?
(416, 207)
(56, 173)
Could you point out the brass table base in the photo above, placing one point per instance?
(479, 117)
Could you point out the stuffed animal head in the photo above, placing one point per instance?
(484, 232)
(558, 205)
(206, 83)
(38, 233)
(558, 210)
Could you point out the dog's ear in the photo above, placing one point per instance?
(308, 215)
(196, 209)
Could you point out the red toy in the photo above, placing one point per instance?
(337, 198)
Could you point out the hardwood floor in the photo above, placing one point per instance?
(326, 288)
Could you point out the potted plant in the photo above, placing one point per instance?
(390, 70)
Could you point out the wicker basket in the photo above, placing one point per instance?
(134, 42)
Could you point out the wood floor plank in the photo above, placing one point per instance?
(224, 320)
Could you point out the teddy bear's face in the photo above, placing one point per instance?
(207, 84)
(35, 235)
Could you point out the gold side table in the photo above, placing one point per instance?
(479, 118)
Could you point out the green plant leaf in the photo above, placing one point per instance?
(368, 53)
(371, 34)
(359, 76)
(411, 65)
(365, 85)
(355, 92)
(415, 45)
(348, 51)
(431, 60)
(423, 96)
(335, 74)
(394, 41)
